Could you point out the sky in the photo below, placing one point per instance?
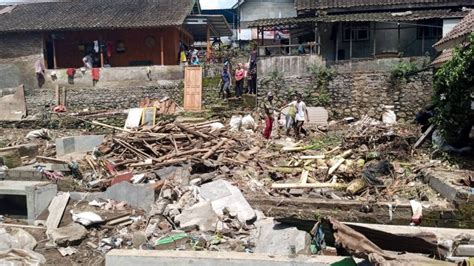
(216, 4)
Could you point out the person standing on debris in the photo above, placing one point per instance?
(224, 84)
(239, 80)
(40, 71)
(252, 76)
(267, 132)
(301, 116)
(88, 61)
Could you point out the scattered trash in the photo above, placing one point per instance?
(86, 218)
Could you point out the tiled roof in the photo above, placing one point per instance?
(362, 17)
(96, 14)
(461, 30)
(444, 57)
(326, 4)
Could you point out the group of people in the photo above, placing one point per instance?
(295, 118)
(243, 72)
(189, 56)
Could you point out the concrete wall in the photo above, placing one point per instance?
(205, 258)
(258, 9)
(287, 65)
(360, 89)
(18, 52)
(108, 76)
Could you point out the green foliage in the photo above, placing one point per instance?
(317, 93)
(403, 70)
(326, 142)
(453, 86)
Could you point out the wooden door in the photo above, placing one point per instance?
(192, 88)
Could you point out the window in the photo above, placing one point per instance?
(357, 33)
(429, 29)
(429, 32)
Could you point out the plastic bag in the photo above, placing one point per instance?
(248, 122)
(389, 117)
(235, 122)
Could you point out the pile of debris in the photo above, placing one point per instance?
(138, 156)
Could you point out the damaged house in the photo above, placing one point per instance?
(349, 29)
(116, 34)
(127, 42)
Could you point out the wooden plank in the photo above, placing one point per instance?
(423, 137)
(192, 88)
(56, 210)
(304, 177)
(112, 127)
(335, 166)
(312, 185)
(23, 226)
(311, 157)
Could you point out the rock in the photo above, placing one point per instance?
(276, 239)
(138, 238)
(223, 195)
(296, 191)
(201, 215)
(136, 195)
(71, 234)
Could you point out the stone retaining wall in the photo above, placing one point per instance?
(102, 98)
(358, 93)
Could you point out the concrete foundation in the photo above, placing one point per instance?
(77, 144)
(38, 195)
(185, 258)
(24, 173)
(441, 182)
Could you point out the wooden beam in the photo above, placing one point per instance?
(350, 41)
(375, 40)
(312, 185)
(337, 41)
(398, 40)
(162, 51)
(55, 62)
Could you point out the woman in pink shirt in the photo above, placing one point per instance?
(239, 80)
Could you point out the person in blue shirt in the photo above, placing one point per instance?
(225, 84)
(195, 60)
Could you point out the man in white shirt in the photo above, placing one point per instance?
(301, 116)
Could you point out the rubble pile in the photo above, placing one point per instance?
(140, 156)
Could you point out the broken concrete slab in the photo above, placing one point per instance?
(56, 210)
(224, 195)
(77, 144)
(441, 182)
(189, 258)
(136, 195)
(38, 195)
(276, 239)
(201, 215)
(13, 106)
(24, 173)
(72, 234)
(25, 150)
